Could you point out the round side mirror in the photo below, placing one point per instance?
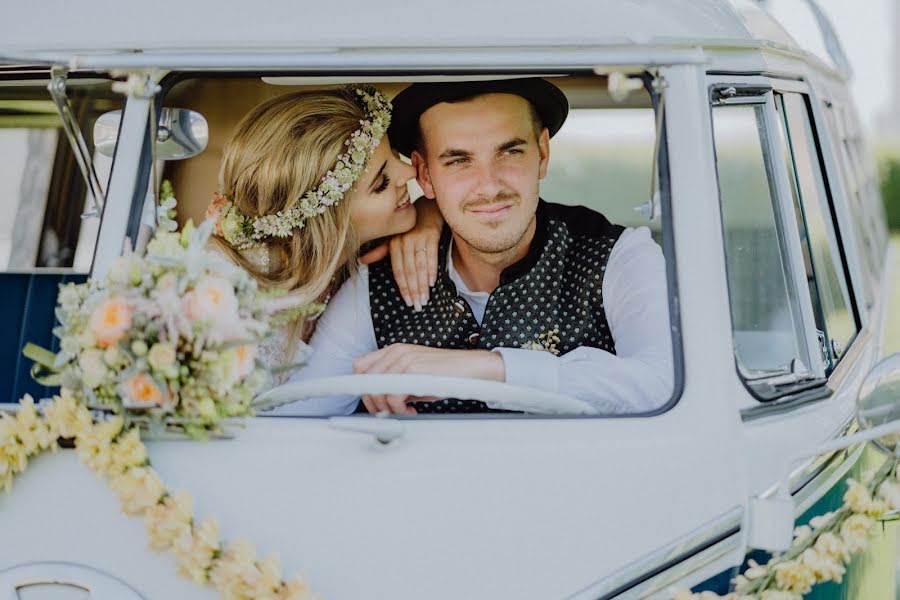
(182, 133)
(879, 401)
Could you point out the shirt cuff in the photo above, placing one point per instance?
(530, 368)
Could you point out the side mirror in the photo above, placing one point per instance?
(182, 133)
(879, 401)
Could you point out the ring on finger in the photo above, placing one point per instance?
(421, 250)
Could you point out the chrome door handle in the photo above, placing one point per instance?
(385, 429)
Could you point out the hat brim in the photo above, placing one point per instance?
(548, 100)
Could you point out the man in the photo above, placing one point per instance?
(528, 292)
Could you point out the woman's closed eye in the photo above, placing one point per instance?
(385, 181)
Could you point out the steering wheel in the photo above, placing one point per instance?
(493, 393)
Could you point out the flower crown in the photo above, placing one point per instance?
(246, 231)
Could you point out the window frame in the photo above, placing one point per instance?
(760, 92)
(667, 231)
(824, 387)
(841, 248)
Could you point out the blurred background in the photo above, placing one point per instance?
(868, 32)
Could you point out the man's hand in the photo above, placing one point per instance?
(422, 360)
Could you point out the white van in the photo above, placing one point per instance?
(704, 120)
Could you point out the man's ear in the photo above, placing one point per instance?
(422, 175)
(544, 151)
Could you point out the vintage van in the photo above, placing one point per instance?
(735, 142)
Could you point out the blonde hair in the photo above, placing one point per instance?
(278, 152)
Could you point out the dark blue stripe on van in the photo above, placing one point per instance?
(27, 303)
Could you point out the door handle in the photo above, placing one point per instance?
(382, 427)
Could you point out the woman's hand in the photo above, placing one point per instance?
(414, 254)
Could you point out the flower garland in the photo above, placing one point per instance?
(116, 453)
(822, 549)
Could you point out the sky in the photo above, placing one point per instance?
(865, 28)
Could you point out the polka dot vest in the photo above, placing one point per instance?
(556, 290)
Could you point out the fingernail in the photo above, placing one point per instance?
(423, 300)
(432, 281)
(408, 301)
(417, 305)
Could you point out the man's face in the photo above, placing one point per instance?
(483, 161)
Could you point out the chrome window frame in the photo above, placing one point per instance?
(775, 160)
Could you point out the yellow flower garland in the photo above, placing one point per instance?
(822, 549)
(119, 456)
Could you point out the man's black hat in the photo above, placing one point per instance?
(549, 101)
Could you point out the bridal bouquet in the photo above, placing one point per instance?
(169, 337)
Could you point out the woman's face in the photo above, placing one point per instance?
(380, 206)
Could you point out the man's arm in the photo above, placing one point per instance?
(343, 332)
(639, 376)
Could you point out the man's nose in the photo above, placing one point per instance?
(487, 180)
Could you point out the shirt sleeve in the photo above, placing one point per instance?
(344, 331)
(639, 377)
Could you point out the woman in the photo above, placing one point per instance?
(306, 180)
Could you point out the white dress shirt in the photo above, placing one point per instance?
(637, 378)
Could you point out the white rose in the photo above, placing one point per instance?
(161, 356)
(93, 368)
(113, 356)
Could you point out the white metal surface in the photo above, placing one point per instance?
(122, 183)
(102, 27)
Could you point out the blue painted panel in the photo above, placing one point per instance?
(27, 304)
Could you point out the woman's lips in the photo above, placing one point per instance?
(404, 203)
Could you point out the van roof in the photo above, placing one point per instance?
(165, 32)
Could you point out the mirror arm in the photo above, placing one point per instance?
(57, 89)
(840, 443)
(772, 512)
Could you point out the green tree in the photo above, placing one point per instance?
(890, 191)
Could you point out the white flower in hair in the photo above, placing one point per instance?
(244, 231)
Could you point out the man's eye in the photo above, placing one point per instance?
(455, 161)
(515, 151)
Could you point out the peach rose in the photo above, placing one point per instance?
(211, 299)
(110, 321)
(141, 391)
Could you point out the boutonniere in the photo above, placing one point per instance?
(545, 342)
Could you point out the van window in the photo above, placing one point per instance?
(766, 322)
(43, 194)
(855, 193)
(825, 270)
(603, 157)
